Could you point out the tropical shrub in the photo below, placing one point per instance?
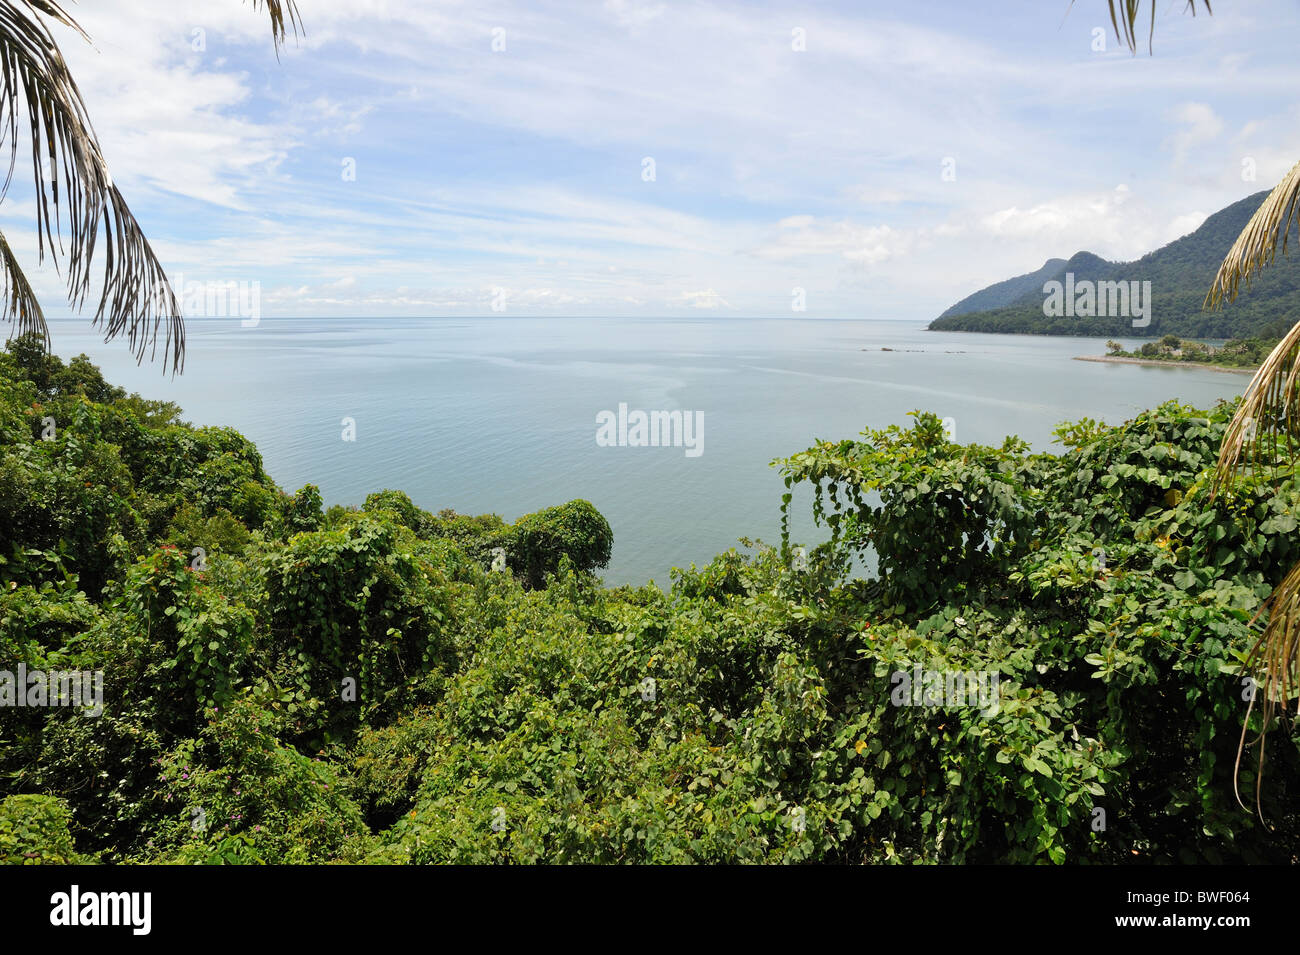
(34, 831)
(237, 795)
(575, 530)
(359, 614)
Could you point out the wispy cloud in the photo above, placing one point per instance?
(411, 158)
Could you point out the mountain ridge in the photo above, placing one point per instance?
(1180, 272)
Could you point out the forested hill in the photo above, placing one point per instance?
(1180, 274)
(1008, 291)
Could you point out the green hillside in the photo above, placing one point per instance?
(1180, 274)
(1009, 291)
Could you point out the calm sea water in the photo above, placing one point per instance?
(499, 414)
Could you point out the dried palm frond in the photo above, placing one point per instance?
(1124, 19)
(1273, 658)
(282, 12)
(1256, 247)
(1266, 426)
(1262, 438)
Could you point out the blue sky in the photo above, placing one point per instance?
(517, 174)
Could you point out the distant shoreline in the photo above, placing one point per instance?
(1167, 364)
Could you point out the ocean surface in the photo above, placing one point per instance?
(500, 414)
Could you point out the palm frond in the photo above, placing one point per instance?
(1273, 658)
(19, 300)
(284, 13)
(1256, 247)
(1266, 426)
(76, 196)
(1268, 419)
(1124, 20)
(1265, 431)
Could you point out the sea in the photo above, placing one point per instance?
(503, 414)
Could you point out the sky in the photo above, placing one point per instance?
(860, 159)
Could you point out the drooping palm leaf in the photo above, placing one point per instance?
(1257, 245)
(283, 12)
(19, 300)
(75, 196)
(1268, 415)
(1273, 657)
(1124, 16)
(1267, 423)
(1262, 438)
(73, 190)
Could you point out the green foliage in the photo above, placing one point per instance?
(475, 535)
(1116, 621)
(358, 685)
(237, 796)
(303, 511)
(34, 831)
(29, 360)
(399, 504)
(478, 536)
(1236, 353)
(204, 639)
(189, 529)
(948, 515)
(576, 531)
(361, 603)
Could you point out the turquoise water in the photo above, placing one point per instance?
(499, 414)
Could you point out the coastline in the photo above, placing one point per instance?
(1167, 364)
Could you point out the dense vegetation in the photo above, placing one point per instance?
(1234, 353)
(286, 684)
(1180, 273)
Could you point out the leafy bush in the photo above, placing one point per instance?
(189, 529)
(357, 604)
(203, 640)
(303, 511)
(237, 795)
(34, 831)
(575, 530)
(403, 510)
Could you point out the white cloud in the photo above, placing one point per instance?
(802, 236)
(634, 13)
(1110, 223)
(705, 299)
(776, 168)
(1182, 225)
(1200, 125)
